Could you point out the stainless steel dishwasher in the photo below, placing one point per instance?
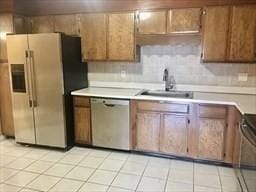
(110, 123)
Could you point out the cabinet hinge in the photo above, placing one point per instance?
(202, 55)
(226, 125)
(188, 121)
(224, 154)
(187, 149)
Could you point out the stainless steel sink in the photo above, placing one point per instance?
(173, 94)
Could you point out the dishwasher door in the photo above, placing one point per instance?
(110, 123)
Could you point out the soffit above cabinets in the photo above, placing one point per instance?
(48, 7)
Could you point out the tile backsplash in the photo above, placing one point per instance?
(183, 62)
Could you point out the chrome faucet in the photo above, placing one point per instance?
(169, 82)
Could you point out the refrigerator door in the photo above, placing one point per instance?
(47, 83)
(17, 45)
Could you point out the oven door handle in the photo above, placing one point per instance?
(248, 134)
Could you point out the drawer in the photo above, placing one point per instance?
(163, 107)
(213, 111)
(81, 101)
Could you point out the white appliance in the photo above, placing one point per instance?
(45, 68)
(110, 123)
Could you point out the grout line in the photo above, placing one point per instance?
(118, 172)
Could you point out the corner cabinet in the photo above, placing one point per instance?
(121, 37)
(82, 120)
(229, 34)
(212, 124)
(243, 34)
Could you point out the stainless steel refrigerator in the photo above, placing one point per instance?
(45, 68)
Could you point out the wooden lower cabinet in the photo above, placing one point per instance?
(203, 131)
(211, 139)
(82, 118)
(174, 135)
(147, 135)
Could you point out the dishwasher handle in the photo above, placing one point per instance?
(110, 102)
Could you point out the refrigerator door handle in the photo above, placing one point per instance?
(33, 75)
(27, 78)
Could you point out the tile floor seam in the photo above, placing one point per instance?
(117, 174)
(169, 170)
(219, 175)
(142, 176)
(93, 171)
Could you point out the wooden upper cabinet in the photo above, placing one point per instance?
(147, 131)
(66, 24)
(174, 135)
(6, 26)
(184, 20)
(243, 34)
(152, 22)
(43, 24)
(93, 30)
(215, 33)
(121, 36)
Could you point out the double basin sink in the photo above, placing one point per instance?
(170, 94)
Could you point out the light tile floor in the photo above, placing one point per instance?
(28, 169)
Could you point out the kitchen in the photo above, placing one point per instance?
(127, 96)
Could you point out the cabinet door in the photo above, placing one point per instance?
(243, 34)
(93, 30)
(6, 26)
(184, 20)
(121, 43)
(6, 110)
(215, 33)
(152, 22)
(174, 135)
(147, 136)
(82, 125)
(211, 138)
(67, 24)
(42, 24)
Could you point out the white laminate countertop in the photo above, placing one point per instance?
(246, 103)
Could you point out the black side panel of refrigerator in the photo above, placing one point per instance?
(75, 77)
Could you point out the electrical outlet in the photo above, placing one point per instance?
(123, 74)
(243, 77)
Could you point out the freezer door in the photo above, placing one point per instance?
(47, 83)
(17, 45)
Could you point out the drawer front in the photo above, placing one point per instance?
(212, 111)
(81, 101)
(163, 107)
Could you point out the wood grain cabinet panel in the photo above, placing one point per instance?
(82, 125)
(42, 24)
(184, 20)
(174, 135)
(6, 26)
(211, 138)
(147, 131)
(121, 36)
(243, 34)
(7, 122)
(67, 24)
(93, 29)
(152, 22)
(215, 33)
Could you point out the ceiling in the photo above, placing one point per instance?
(46, 7)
